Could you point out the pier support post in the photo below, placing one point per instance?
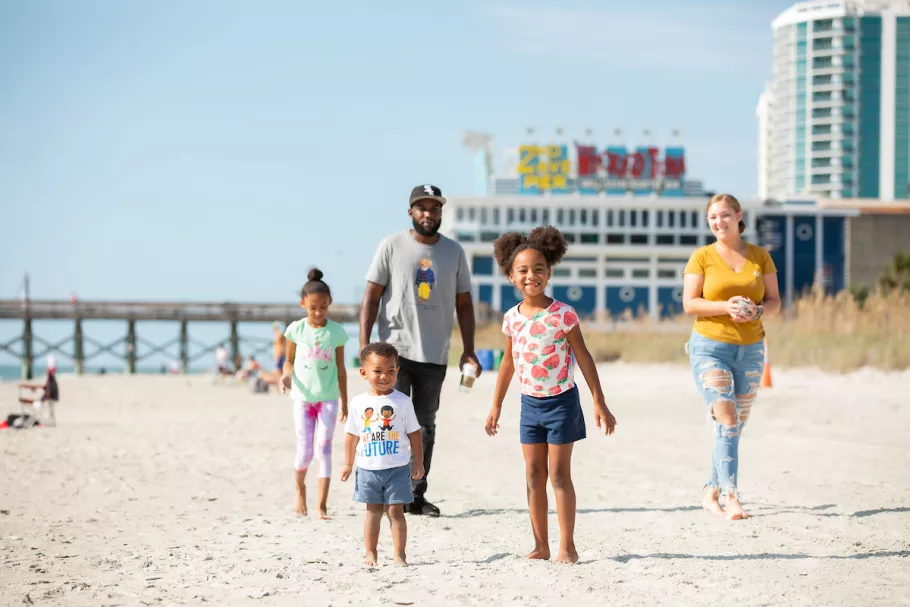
(27, 360)
(235, 343)
(184, 348)
(131, 346)
(78, 357)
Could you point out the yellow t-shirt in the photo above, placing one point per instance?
(722, 283)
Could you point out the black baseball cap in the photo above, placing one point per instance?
(427, 192)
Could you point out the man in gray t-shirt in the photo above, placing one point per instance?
(418, 283)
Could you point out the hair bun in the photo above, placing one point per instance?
(315, 274)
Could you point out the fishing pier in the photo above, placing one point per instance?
(135, 348)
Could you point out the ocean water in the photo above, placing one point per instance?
(14, 372)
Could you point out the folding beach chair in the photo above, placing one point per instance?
(38, 402)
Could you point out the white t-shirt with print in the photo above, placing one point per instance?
(540, 349)
(383, 424)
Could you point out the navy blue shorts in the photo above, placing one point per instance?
(389, 486)
(557, 420)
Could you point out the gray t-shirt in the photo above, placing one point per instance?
(418, 305)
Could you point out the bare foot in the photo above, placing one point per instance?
(735, 510)
(370, 559)
(324, 514)
(300, 504)
(570, 557)
(710, 503)
(401, 560)
(542, 554)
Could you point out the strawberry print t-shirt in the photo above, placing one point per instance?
(543, 357)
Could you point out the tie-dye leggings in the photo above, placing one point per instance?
(311, 433)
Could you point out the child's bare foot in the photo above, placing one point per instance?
(300, 504)
(324, 514)
(710, 503)
(570, 556)
(370, 559)
(540, 553)
(735, 510)
(401, 560)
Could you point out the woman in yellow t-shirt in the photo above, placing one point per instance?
(729, 286)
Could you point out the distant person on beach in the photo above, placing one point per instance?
(248, 370)
(417, 283)
(221, 360)
(729, 286)
(279, 346)
(542, 336)
(315, 375)
(384, 452)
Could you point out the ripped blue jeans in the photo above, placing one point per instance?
(731, 373)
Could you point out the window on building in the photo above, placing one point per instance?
(484, 215)
(622, 218)
(562, 272)
(822, 62)
(660, 219)
(590, 238)
(560, 217)
(821, 96)
(671, 219)
(821, 80)
(821, 146)
(821, 129)
(633, 218)
(665, 273)
(644, 218)
(846, 162)
(496, 216)
(570, 237)
(821, 112)
(583, 217)
(534, 216)
(595, 218)
(571, 217)
(587, 272)
(488, 236)
(682, 219)
(459, 214)
(614, 273)
(546, 217)
(522, 215)
(688, 239)
(665, 239)
(616, 238)
(465, 236)
(610, 218)
(510, 216)
(638, 239)
(641, 273)
(821, 162)
(693, 217)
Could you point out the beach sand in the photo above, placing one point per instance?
(174, 490)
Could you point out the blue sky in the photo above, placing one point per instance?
(215, 150)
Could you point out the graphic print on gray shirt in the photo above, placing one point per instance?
(417, 312)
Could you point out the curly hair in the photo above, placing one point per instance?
(379, 349)
(315, 284)
(546, 239)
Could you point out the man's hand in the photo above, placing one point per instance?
(417, 471)
(471, 357)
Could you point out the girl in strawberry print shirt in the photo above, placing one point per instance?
(542, 335)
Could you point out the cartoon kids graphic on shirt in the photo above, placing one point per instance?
(368, 419)
(425, 280)
(387, 414)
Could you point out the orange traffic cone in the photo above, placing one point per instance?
(766, 372)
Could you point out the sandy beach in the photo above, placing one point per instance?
(175, 490)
